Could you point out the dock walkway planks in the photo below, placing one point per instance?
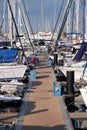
(43, 110)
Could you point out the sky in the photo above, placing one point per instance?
(42, 13)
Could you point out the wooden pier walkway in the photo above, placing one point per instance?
(43, 110)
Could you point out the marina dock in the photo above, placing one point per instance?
(43, 65)
(43, 110)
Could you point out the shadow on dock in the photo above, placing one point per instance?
(39, 111)
(43, 76)
(44, 128)
(42, 67)
(36, 84)
(43, 72)
(30, 109)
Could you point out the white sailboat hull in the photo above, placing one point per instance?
(77, 72)
(12, 72)
(9, 98)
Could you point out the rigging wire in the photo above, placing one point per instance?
(64, 21)
(1, 25)
(28, 19)
(15, 24)
(72, 23)
(3, 19)
(58, 19)
(83, 8)
(19, 3)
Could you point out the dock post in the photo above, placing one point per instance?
(70, 82)
(69, 98)
(55, 58)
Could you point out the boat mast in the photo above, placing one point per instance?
(19, 21)
(25, 21)
(58, 18)
(63, 21)
(42, 15)
(14, 13)
(11, 26)
(10, 20)
(86, 20)
(4, 16)
(2, 23)
(54, 12)
(77, 14)
(10, 9)
(68, 22)
(83, 7)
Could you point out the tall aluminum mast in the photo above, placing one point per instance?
(4, 16)
(10, 20)
(13, 19)
(77, 14)
(26, 22)
(63, 21)
(12, 31)
(19, 21)
(86, 20)
(42, 16)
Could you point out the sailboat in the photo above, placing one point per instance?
(78, 61)
(9, 67)
(11, 91)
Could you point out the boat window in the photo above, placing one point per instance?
(41, 43)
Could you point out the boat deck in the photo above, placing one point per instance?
(43, 111)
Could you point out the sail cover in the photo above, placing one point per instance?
(8, 55)
(80, 52)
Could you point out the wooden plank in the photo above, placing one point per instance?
(43, 109)
(78, 115)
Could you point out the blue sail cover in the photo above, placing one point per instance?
(71, 33)
(8, 55)
(80, 52)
